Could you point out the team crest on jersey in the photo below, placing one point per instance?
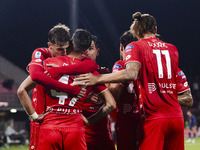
(37, 54)
(181, 73)
(117, 66)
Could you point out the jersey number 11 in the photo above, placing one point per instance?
(159, 62)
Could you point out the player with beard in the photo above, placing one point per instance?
(156, 64)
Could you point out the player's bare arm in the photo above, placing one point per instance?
(25, 100)
(109, 106)
(116, 90)
(185, 99)
(128, 74)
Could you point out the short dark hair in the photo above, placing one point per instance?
(126, 38)
(59, 35)
(81, 40)
(96, 41)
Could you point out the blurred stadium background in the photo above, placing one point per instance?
(24, 26)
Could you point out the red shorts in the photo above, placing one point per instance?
(34, 137)
(64, 132)
(163, 134)
(62, 138)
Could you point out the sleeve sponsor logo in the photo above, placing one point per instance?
(117, 66)
(184, 77)
(181, 73)
(128, 57)
(37, 54)
(129, 47)
(128, 51)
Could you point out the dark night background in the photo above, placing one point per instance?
(24, 25)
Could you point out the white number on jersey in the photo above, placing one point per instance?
(62, 95)
(159, 62)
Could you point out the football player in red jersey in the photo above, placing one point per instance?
(156, 64)
(128, 109)
(65, 109)
(59, 38)
(99, 132)
(184, 93)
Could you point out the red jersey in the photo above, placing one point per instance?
(64, 103)
(100, 129)
(181, 80)
(38, 95)
(159, 65)
(128, 103)
(39, 55)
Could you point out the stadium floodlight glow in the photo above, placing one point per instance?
(74, 17)
(13, 110)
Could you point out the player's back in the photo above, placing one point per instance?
(59, 100)
(159, 64)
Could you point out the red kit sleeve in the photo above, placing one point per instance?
(85, 66)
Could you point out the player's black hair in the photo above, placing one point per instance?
(96, 41)
(69, 48)
(59, 35)
(81, 40)
(143, 23)
(127, 38)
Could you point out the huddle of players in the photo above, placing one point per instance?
(59, 124)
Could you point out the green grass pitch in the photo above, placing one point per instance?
(188, 146)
